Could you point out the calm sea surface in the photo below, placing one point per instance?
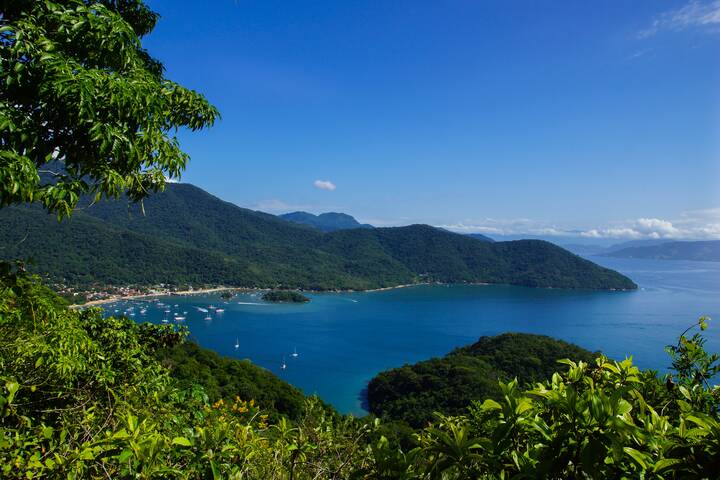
(343, 340)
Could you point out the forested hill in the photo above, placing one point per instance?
(189, 236)
(413, 393)
(705, 251)
(327, 222)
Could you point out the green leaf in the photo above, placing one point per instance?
(125, 455)
(636, 455)
(215, 470)
(87, 454)
(12, 388)
(665, 463)
(490, 405)
(182, 441)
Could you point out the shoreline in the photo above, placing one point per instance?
(119, 298)
(94, 303)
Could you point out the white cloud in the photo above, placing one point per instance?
(516, 226)
(324, 185)
(611, 233)
(688, 227)
(694, 14)
(656, 226)
(696, 225)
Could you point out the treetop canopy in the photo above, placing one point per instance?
(84, 109)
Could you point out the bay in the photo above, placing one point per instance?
(344, 339)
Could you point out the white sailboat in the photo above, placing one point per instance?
(295, 353)
(284, 365)
(237, 343)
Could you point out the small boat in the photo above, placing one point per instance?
(167, 311)
(165, 320)
(179, 318)
(284, 365)
(219, 310)
(204, 310)
(211, 307)
(208, 317)
(237, 342)
(295, 353)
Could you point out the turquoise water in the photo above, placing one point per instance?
(343, 340)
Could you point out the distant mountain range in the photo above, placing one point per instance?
(707, 251)
(658, 249)
(326, 222)
(188, 236)
(592, 249)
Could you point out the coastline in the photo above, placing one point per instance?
(95, 303)
(118, 298)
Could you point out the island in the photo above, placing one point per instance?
(285, 296)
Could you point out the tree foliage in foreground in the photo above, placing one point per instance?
(85, 397)
(83, 107)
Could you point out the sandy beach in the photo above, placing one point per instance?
(95, 303)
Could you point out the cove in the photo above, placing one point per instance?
(344, 339)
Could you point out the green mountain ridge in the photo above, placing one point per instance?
(326, 222)
(188, 236)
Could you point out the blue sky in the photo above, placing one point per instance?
(599, 119)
